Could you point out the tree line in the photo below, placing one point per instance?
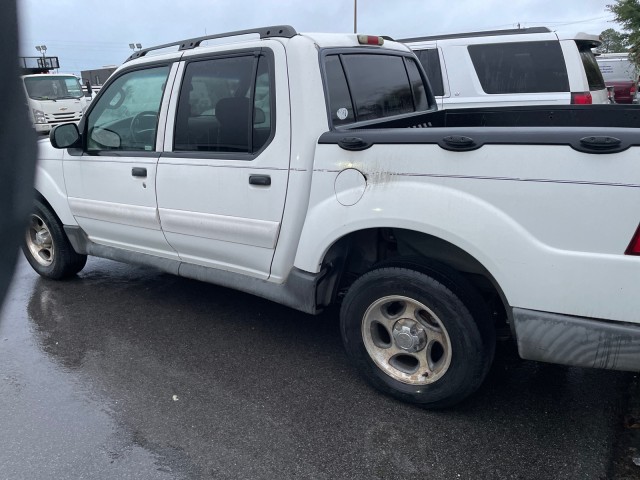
(627, 14)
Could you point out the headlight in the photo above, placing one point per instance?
(38, 116)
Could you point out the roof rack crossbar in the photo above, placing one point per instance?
(512, 31)
(284, 31)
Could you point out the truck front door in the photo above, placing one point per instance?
(111, 183)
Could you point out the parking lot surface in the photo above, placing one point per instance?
(126, 372)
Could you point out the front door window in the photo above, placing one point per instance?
(126, 114)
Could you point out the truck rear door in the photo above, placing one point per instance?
(222, 180)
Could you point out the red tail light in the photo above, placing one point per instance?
(581, 98)
(632, 90)
(634, 246)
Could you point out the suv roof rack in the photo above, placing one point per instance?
(285, 31)
(487, 33)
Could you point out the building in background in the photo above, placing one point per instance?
(98, 76)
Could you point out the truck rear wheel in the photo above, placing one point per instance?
(46, 245)
(420, 336)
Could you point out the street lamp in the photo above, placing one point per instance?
(42, 49)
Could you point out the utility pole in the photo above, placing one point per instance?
(355, 16)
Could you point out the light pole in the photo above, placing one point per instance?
(355, 16)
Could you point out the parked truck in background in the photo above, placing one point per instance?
(315, 170)
(53, 99)
(621, 74)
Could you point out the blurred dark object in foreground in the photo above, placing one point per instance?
(17, 149)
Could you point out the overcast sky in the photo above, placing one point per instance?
(88, 34)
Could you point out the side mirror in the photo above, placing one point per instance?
(65, 136)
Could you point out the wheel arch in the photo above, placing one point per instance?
(41, 198)
(359, 251)
(50, 189)
(38, 196)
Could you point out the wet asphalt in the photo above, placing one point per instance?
(130, 373)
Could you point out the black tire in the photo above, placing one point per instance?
(416, 306)
(47, 247)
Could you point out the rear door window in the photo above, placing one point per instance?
(430, 60)
(421, 102)
(225, 105)
(366, 87)
(521, 67)
(594, 75)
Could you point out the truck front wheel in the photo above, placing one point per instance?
(46, 245)
(422, 336)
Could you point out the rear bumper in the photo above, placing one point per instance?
(583, 342)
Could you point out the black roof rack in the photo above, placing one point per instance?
(31, 65)
(285, 31)
(512, 31)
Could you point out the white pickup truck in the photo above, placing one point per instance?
(315, 169)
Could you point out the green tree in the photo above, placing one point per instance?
(627, 14)
(613, 41)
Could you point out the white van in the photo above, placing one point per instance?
(621, 74)
(53, 99)
(527, 66)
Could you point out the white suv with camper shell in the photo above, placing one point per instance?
(526, 66)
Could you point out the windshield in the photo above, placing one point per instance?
(43, 87)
